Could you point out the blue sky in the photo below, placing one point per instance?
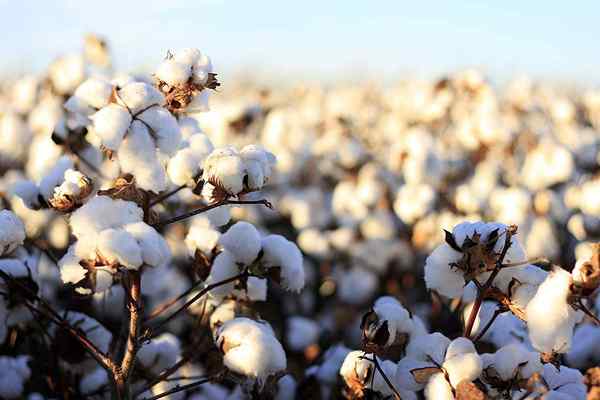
(551, 39)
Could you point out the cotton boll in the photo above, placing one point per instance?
(440, 276)
(164, 127)
(224, 267)
(154, 248)
(243, 241)
(565, 381)
(160, 353)
(93, 381)
(313, 242)
(12, 232)
(25, 93)
(250, 348)
(259, 164)
(137, 96)
(585, 348)
(225, 168)
(66, 73)
(14, 372)
(29, 192)
(173, 72)
(55, 177)
(394, 315)
(110, 124)
(550, 318)
(515, 360)
(463, 367)
(280, 252)
(70, 269)
(102, 212)
(201, 237)
(301, 333)
(137, 156)
(91, 94)
(430, 347)
(286, 388)
(256, 289)
(120, 246)
(438, 388)
(188, 161)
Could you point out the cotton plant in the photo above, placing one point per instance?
(438, 365)
(271, 256)
(112, 237)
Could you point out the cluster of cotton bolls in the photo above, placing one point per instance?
(295, 242)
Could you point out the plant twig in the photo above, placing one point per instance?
(198, 295)
(209, 207)
(180, 388)
(489, 324)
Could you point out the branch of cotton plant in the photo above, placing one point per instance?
(586, 311)
(199, 295)
(383, 375)
(209, 207)
(482, 291)
(165, 306)
(135, 313)
(181, 388)
(165, 375)
(489, 324)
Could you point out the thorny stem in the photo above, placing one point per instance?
(209, 207)
(179, 388)
(198, 295)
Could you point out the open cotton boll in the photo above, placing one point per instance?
(154, 249)
(440, 276)
(357, 285)
(201, 237)
(137, 96)
(414, 201)
(225, 168)
(92, 94)
(93, 381)
(137, 156)
(164, 128)
(110, 124)
(259, 164)
(160, 353)
(102, 212)
(393, 315)
(174, 72)
(431, 347)
(301, 332)
(224, 267)
(14, 372)
(564, 381)
(188, 55)
(189, 160)
(66, 73)
(550, 318)
(250, 348)
(12, 232)
(515, 360)
(119, 246)
(55, 177)
(256, 289)
(278, 252)
(438, 388)
(328, 371)
(29, 192)
(242, 240)
(199, 102)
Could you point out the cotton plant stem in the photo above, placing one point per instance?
(164, 375)
(488, 325)
(168, 304)
(132, 346)
(209, 207)
(179, 388)
(197, 296)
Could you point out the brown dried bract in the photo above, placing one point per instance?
(178, 97)
(469, 391)
(124, 188)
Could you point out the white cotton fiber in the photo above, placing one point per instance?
(550, 319)
(242, 240)
(280, 252)
(110, 124)
(174, 72)
(155, 250)
(439, 276)
(224, 267)
(164, 128)
(138, 96)
(120, 247)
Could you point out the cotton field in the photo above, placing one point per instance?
(173, 235)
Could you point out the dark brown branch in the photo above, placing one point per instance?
(179, 388)
(209, 207)
(165, 306)
(135, 312)
(198, 295)
(487, 326)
